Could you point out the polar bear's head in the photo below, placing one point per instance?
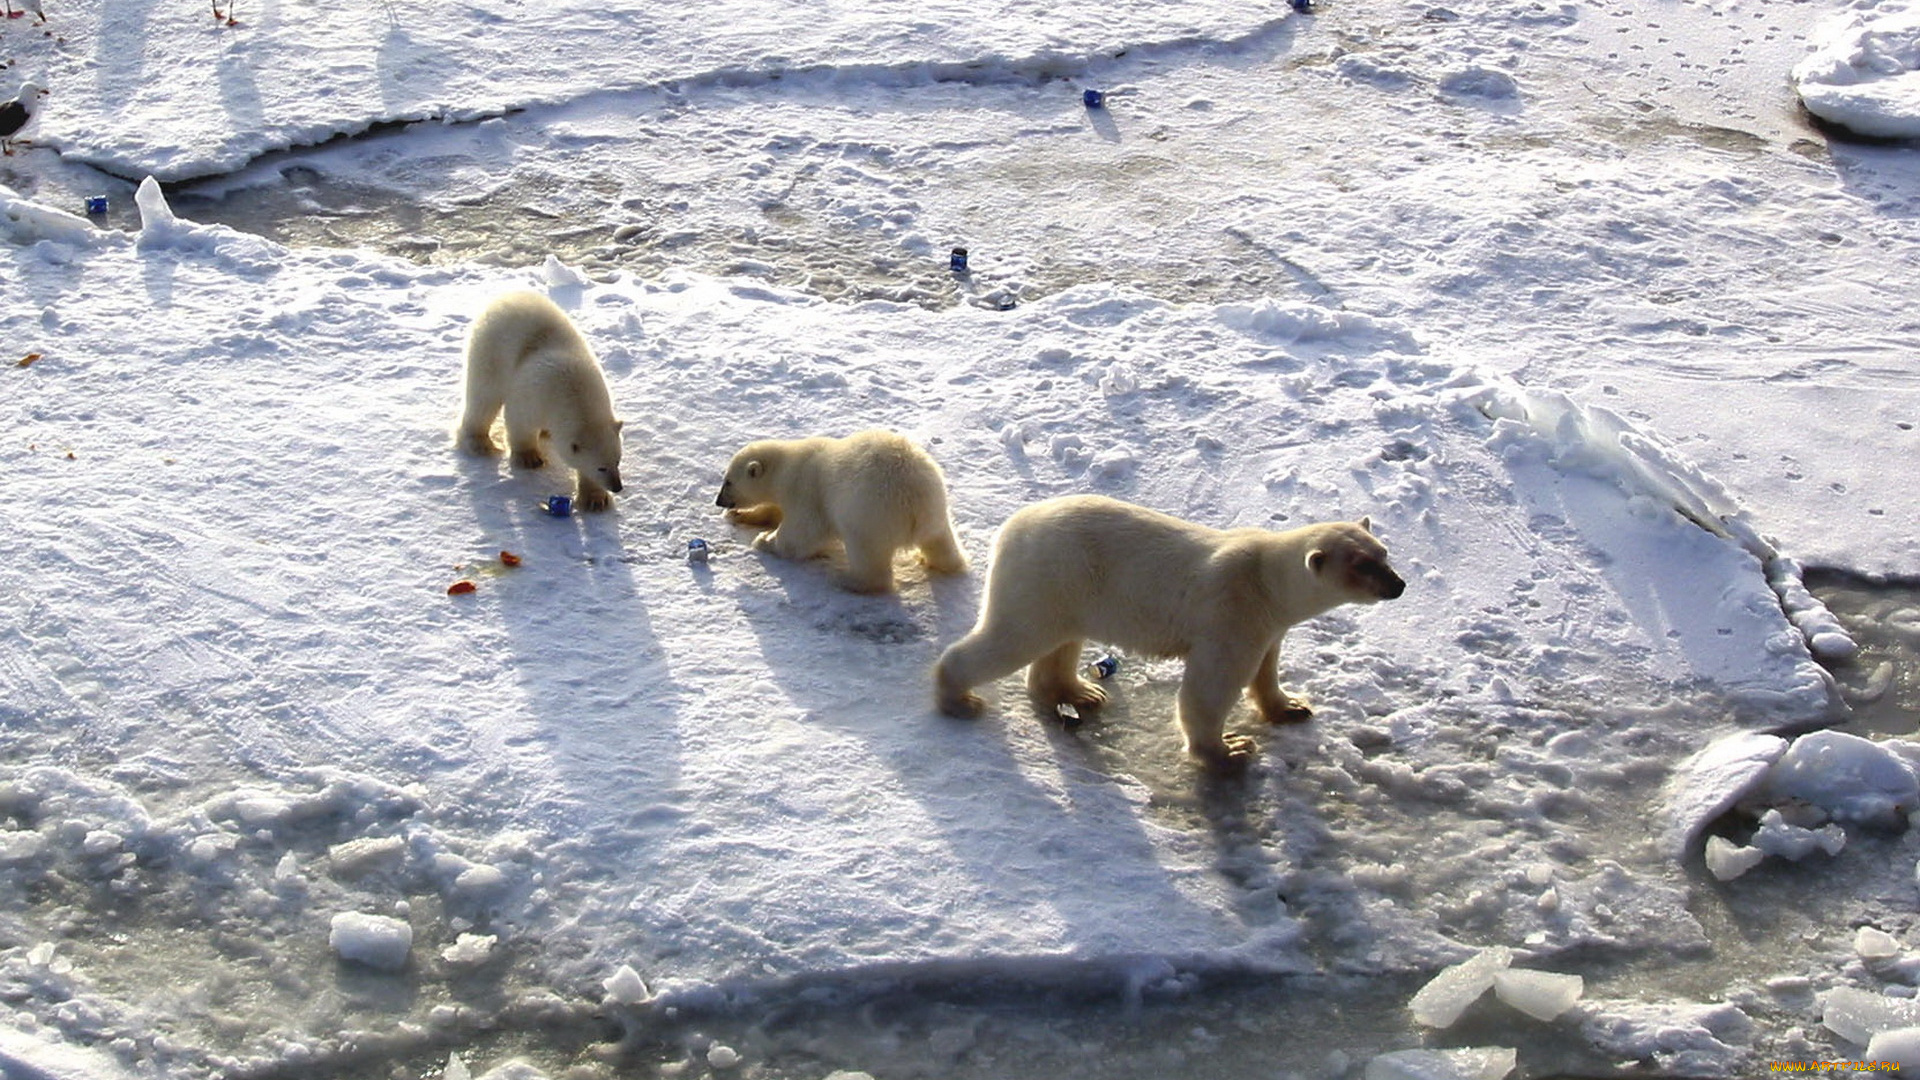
(593, 450)
(750, 476)
(1347, 558)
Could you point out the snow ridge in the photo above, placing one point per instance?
(1596, 440)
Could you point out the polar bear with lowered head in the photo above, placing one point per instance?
(1088, 567)
(873, 491)
(525, 355)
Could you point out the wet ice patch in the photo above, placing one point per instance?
(1489, 84)
(1465, 1063)
(1864, 74)
(1679, 1038)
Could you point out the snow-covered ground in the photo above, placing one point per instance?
(1564, 297)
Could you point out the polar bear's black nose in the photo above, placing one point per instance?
(1393, 587)
(724, 499)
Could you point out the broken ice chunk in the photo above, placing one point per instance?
(1875, 944)
(374, 940)
(1726, 860)
(1542, 995)
(1441, 1001)
(1901, 1045)
(1776, 837)
(1858, 1015)
(1852, 778)
(626, 987)
(470, 950)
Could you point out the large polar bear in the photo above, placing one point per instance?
(525, 354)
(1085, 566)
(874, 491)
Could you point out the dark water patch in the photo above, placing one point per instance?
(1882, 683)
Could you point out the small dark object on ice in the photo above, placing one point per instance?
(698, 550)
(1304, 7)
(560, 505)
(96, 204)
(1069, 716)
(957, 262)
(1094, 99)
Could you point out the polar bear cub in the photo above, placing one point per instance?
(874, 491)
(525, 355)
(1085, 566)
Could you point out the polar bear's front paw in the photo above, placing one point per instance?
(1230, 758)
(594, 499)
(529, 459)
(479, 444)
(764, 516)
(965, 705)
(1080, 694)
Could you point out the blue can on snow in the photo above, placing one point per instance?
(1104, 667)
(560, 505)
(96, 204)
(957, 262)
(1094, 99)
(1304, 7)
(697, 550)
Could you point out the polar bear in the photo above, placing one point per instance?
(1086, 566)
(525, 354)
(874, 491)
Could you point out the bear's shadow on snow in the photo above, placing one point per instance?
(581, 642)
(862, 666)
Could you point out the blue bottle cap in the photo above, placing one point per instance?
(559, 505)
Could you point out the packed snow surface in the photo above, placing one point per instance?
(1556, 294)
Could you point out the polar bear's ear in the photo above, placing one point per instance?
(1366, 524)
(1315, 560)
(754, 469)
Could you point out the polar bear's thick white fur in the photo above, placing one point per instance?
(525, 355)
(1087, 567)
(874, 491)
